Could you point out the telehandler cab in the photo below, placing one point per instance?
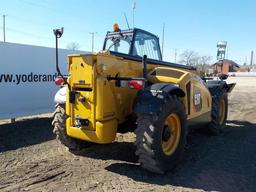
(129, 79)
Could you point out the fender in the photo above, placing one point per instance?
(60, 96)
(150, 99)
(213, 84)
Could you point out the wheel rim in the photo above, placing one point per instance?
(222, 111)
(171, 134)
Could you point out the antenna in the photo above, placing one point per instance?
(126, 21)
(133, 11)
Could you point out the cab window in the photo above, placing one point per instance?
(146, 44)
(119, 44)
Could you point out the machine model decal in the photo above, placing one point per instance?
(197, 99)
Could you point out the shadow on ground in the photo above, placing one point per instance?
(214, 163)
(25, 133)
(223, 163)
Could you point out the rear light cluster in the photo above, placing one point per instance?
(136, 84)
(59, 81)
(133, 84)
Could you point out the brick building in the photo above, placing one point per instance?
(228, 66)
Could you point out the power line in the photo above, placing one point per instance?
(49, 8)
(26, 21)
(30, 21)
(28, 34)
(36, 36)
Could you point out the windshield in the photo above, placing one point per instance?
(119, 44)
(134, 42)
(146, 44)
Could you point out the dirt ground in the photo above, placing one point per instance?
(32, 160)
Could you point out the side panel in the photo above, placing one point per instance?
(198, 99)
(105, 100)
(123, 97)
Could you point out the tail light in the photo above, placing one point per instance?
(59, 81)
(137, 84)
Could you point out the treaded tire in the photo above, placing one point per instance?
(216, 125)
(59, 129)
(149, 137)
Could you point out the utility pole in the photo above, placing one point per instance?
(175, 55)
(133, 11)
(252, 57)
(163, 41)
(93, 33)
(4, 26)
(227, 52)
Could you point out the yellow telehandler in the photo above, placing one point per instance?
(128, 82)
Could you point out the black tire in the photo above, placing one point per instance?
(59, 129)
(149, 136)
(218, 122)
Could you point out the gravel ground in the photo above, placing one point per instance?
(32, 160)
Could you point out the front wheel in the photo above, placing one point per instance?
(161, 138)
(219, 111)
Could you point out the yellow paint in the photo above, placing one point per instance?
(222, 111)
(105, 132)
(106, 105)
(169, 144)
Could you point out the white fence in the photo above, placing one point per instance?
(242, 74)
(27, 79)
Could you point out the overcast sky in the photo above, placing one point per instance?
(189, 24)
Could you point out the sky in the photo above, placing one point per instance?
(189, 24)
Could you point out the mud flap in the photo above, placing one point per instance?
(213, 84)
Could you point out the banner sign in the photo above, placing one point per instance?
(27, 76)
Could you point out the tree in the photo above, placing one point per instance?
(205, 60)
(73, 46)
(204, 63)
(189, 58)
(192, 58)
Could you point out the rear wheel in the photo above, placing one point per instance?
(160, 139)
(59, 124)
(219, 111)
